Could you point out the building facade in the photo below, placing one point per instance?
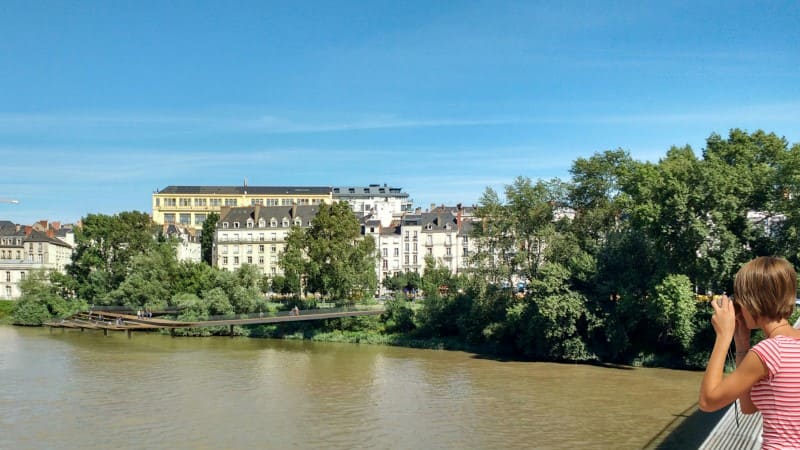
(24, 249)
(257, 235)
(374, 199)
(191, 205)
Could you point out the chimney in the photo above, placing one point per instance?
(433, 207)
(458, 217)
(257, 213)
(294, 209)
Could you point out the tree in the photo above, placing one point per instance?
(331, 255)
(104, 247)
(207, 238)
(40, 301)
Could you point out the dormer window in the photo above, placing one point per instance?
(428, 227)
(224, 224)
(261, 223)
(285, 223)
(273, 223)
(298, 222)
(235, 224)
(249, 223)
(447, 226)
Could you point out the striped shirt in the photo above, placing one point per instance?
(778, 395)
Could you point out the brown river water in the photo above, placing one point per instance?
(74, 390)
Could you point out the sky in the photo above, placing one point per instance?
(103, 103)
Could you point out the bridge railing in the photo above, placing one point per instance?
(302, 312)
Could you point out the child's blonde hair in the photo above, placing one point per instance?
(767, 287)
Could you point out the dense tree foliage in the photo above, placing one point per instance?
(331, 257)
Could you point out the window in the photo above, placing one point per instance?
(250, 223)
(200, 202)
(169, 218)
(415, 235)
(415, 247)
(407, 248)
(260, 236)
(224, 260)
(396, 252)
(261, 248)
(169, 202)
(406, 259)
(249, 249)
(235, 260)
(285, 223)
(262, 223)
(430, 252)
(466, 251)
(302, 201)
(273, 223)
(286, 202)
(185, 202)
(224, 224)
(158, 202)
(256, 201)
(249, 260)
(186, 219)
(447, 251)
(316, 201)
(385, 252)
(199, 219)
(261, 260)
(415, 259)
(236, 237)
(466, 240)
(272, 271)
(449, 239)
(230, 202)
(8, 291)
(235, 224)
(215, 202)
(273, 249)
(272, 202)
(298, 222)
(8, 276)
(223, 249)
(249, 237)
(407, 233)
(385, 264)
(273, 236)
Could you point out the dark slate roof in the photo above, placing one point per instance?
(373, 190)
(242, 213)
(7, 228)
(251, 190)
(40, 236)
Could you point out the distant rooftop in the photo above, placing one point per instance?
(250, 190)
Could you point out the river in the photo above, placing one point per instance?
(83, 390)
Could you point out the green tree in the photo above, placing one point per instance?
(331, 255)
(40, 301)
(207, 238)
(104, 247)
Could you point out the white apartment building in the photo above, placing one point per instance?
(374, 199)
(257, 235)
(24, 249)
(442, 233)
(189, 247)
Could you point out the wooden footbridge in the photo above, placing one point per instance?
(124, 321)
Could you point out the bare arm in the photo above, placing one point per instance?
(717, 391)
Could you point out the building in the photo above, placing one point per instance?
(257, 235)
(191, 205)
(188, 246)
(24, 249)
(374, 199)
(441, 233)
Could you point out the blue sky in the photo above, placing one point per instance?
(101, 103)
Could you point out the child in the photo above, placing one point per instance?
(767, 376)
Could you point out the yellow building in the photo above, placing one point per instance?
(190, 205)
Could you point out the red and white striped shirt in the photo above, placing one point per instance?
(778, 395)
